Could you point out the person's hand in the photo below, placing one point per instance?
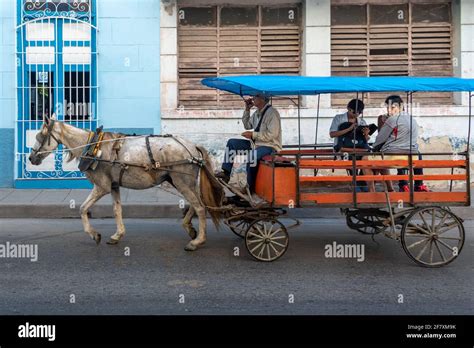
(366, 131)
(247, 134)
(248, 104)
(353, 125)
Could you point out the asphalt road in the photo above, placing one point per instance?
(158, 272)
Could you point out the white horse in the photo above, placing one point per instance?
(178, 162)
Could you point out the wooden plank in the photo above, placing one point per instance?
(188, 38)
(428, 29)
(346, 36)
(349, 41)
(196, 65)
(337, 164)
(196, 51)
(340, 52)
(379, 197)
(232, 54)
(348, 178)
(241, 44)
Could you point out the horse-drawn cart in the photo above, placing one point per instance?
(304, 176)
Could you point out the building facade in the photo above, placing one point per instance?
(89, 62)
(136, 67)
(203, 38)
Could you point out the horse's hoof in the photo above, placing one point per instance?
(97, 238)
(112, 241)
(190, 247)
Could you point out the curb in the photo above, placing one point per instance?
(150, 211)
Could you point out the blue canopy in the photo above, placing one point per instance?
(280, 85)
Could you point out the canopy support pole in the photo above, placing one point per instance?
(468, 156)
(299, 124)
(354, 157)
(317, 122)
(469, 124)
(315, 172)
(410, 162)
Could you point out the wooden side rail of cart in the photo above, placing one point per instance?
(285, 184)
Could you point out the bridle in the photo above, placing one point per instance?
(47, 137)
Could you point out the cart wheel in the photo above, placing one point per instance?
(366, 224)
(432, 236)
(239, 225)
(266, 239)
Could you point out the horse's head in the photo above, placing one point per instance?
(46, 141)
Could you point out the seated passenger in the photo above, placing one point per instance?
(351, 134)
(394, 136)
(264, 128)
(354, 110)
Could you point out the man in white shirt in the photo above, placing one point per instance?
(354, 110)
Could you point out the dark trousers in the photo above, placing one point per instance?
(416, 171)
(253, 157)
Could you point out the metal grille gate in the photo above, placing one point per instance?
(56, 54)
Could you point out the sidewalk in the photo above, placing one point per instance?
(150, 203)
(53, 203)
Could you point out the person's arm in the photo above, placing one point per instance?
(273, 128)
(383, 135)
(246, 119)
(335, 133)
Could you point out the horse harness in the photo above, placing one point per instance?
(47, 137)
(91, 155)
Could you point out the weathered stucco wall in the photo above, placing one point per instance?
(440, 130)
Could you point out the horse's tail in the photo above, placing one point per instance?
(212, 193)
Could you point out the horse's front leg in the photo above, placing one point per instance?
(96, 194)
(118, 217)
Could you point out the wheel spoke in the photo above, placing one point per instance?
(258, 236)
(254, 241)
(416, 243)
(416, 235)
(433, 219)
(256, 247)
(273, 242)
(260, 253)
(418, 228)
(442, 221)
(431, 251)
(239, 223)
(451, 238)
(422, 250)
(448, 228)
(446, 245)
(275, 232)
(276, 251)
(440, 252)
(278, 237)
(424, 221)
(268, 252)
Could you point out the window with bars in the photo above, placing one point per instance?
(412, 38)
(233, 40)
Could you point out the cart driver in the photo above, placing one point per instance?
(263, 137)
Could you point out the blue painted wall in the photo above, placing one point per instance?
(129, 76)
(129, 64)
(7, 92)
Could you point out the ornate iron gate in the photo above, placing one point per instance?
(56, 53)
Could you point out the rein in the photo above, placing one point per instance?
(47, 137)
